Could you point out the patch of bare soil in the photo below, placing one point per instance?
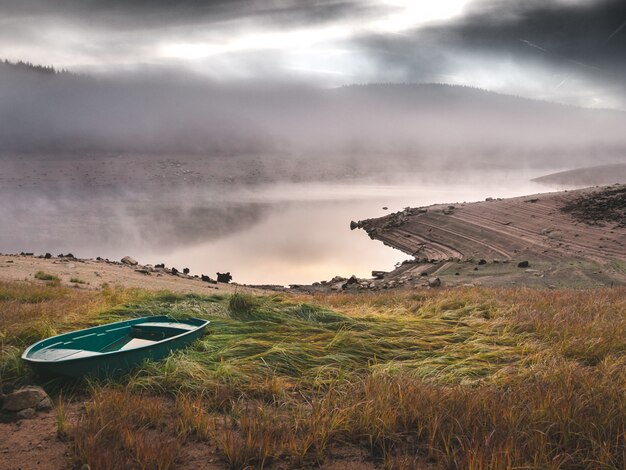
(484, 242)
(32, 444)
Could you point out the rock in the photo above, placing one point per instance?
(44, 405)
(434, 282)
(6, 388)
(353, 225)
(185, 270)
(162, 265)
(523, 264)
(337, 286)
(338, 279)
(482, 261)
(385, 208)
(27, 397)
(129, 261)
(353, 280)
(143, 271)
(378, 274)
(224, 277)
(174, 271)
(47, 256)
(26, 413)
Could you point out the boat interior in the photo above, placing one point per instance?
(120, 338)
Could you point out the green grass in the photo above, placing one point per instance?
(252, 338)
(465, 378)
(77, 280)
(43, 276)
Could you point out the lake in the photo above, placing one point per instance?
(279, 233)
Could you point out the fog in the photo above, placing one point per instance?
(411, 126)
(262, 179)
(271, 233)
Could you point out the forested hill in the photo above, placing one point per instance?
(45, 110)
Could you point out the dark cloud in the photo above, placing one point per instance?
(573, 41)
(147, 14)
(561, 47)
(579, 34)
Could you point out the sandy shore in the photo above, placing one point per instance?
(95, 274)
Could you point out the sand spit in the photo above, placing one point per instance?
(527, 240)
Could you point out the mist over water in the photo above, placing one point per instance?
(259, 179)
(275, 233)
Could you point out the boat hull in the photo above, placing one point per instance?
(108, 363)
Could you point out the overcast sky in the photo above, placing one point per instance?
(572, 51)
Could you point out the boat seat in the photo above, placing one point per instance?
(178, 326)
(56, 354)
(136, 343)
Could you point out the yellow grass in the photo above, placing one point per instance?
(467, 378)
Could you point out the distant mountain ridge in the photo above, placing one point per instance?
(590, 176)
(21, 66)
(45, 110)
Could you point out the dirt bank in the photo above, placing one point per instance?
(96, 274)
(483, 242)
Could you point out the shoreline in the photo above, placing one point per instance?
(523, 241)
(482, 243)
(94, 274)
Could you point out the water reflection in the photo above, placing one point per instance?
(273, 234)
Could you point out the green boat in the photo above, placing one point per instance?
(113, 348)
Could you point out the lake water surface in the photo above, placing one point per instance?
(284, 233)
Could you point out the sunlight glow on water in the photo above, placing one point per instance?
(307, 236)
(276, 234)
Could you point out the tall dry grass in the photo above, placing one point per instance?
(120, 430)
(31, 311)
(467, 378)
